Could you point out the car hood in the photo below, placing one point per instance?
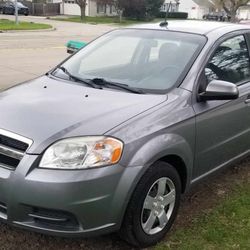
(46, 110)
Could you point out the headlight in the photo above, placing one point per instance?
(82, 152)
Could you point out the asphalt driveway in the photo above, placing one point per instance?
(26, 55)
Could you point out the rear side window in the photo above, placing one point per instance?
(230, 62)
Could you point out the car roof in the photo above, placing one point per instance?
(189, 26)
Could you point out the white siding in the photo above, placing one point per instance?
(244, 12)
(109, 10)
(194, 10)
(72, 9)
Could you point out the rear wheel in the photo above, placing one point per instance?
(153, 206)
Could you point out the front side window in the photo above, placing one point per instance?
(145, 59)
(230, 62)
(101, 8)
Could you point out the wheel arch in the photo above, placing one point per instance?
(178, 163)
(169, 148)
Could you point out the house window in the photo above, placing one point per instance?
(101, 8)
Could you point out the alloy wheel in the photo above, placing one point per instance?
(158, 206)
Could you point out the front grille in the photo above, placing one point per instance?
(8, 162)
(13, 143)
(12, 149)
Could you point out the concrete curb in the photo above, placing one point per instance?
(19, 31)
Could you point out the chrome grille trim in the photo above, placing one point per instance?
(13, 153)
(16, 137)
(2, 206)
(6, 166)
(12, 149)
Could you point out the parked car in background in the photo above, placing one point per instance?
(74, 46)
(110, 139)
(9, 8)
(217, 16)
(1, 7)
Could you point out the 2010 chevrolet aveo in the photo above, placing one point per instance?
(110, 139)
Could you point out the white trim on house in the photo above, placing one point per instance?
(69, 7)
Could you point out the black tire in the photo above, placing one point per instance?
(131, 230)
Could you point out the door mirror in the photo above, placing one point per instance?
(219, 90)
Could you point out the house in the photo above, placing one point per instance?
(195, 8)
(69, 7)
(244, 12)
(171, 6)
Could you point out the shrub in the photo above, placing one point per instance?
(174, 15)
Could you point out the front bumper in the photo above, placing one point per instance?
(23, 11)
(66, 203)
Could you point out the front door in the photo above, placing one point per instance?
(222, 127)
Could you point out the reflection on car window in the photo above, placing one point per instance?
(150, 60)
(20, 5)
(230, 62)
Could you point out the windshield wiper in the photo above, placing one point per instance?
(98, 83)
(105, 83)
(78, 79)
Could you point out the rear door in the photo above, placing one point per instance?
(222, 127)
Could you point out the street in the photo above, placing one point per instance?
(26, 55)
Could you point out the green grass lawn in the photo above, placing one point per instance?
(226, 227)
(98, 20)
(6, 24)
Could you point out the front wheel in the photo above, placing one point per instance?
(153, 206)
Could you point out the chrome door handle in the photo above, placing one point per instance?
(247, 101)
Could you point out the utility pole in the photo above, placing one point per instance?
(16, 12)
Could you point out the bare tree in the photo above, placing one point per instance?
(117, 4)
(231, 6)
(82, 4)
(118, 8)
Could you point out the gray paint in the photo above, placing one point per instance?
(205, 135)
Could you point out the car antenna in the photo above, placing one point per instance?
(165, 22)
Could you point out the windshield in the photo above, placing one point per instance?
(151, 60)
(20, 5)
